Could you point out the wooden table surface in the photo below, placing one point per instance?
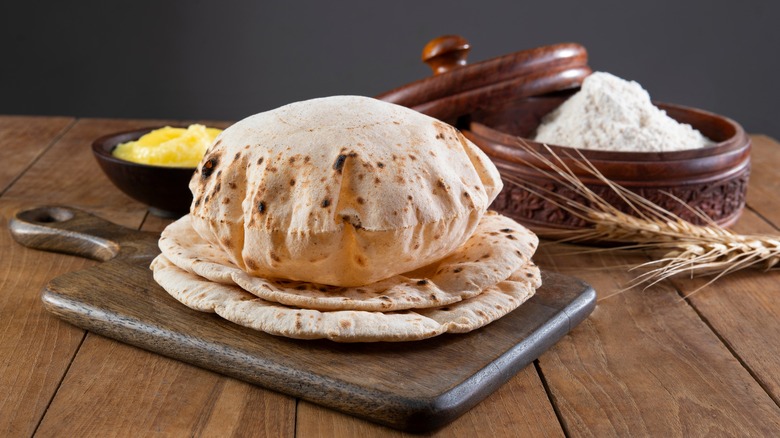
(651, 362)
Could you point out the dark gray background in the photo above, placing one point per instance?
(226, 60)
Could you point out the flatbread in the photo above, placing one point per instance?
(344, 190)
(240, 307)
(498, 248)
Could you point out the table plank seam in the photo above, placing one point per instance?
(297, 413)
(551, 399)
(143, 221)
(77, 350)
(59, 384)
(762, 217)
(43, 152)
(728, 347)
(722, 339)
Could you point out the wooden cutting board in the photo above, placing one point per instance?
(412, 386)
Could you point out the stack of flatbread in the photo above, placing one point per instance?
(350, 219)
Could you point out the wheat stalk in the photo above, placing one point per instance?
(696, 250)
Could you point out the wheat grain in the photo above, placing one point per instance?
(684, 248)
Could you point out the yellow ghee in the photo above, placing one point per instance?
(173, 147)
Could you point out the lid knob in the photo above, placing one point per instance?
(446, 53)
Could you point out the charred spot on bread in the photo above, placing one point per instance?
(339, 163)
(209, 167)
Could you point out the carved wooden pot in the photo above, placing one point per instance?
(497, 101)
(712, 179)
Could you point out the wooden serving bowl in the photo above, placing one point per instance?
(164, 189)
(711, 179)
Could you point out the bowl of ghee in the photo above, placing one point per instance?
(154, 165)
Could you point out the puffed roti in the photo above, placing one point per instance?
(498, 247)
(343, 191)
(243, 308)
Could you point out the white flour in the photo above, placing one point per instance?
(613, 114)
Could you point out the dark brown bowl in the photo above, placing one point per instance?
(164, 189)
(712, 179)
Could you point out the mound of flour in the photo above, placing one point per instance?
(613, 114)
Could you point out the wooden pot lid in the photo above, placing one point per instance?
(457, 89)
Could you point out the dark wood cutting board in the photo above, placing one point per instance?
(413, 386)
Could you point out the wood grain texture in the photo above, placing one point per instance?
(23, 139)
(39, 348)
(506, 412)
(69, 175)
(763, 196)
(160, 396)
(742, 308)
(36, 347)
(120, 299)
(115, 389)
(644, 363)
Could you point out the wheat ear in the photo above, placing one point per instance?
(707, 249)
